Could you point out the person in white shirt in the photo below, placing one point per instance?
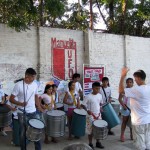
(125, 110)
(105, 90)
(78, 88)
(48, 100)
(92, 104)
(140, 108)
(25, 97)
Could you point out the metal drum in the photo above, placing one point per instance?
(78, 124)
(34, 130)
(100, 129)
(110, 116)
(56, 121)
(116, 105)
(5, 116)
(60, 106)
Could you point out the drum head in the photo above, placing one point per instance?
(56, 113)
(80, 112)
(35, 123)
(100, 123)
(59, 105)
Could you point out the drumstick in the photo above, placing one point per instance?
(29, 97)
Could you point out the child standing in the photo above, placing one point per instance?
(125, 110)
(105, 90)
(72, 100)
(92, 103)
(48, 104)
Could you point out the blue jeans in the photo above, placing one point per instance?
(23, 129)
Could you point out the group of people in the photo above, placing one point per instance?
(135, 100)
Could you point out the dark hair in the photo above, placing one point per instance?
(129, 79)
(76, 75)
(96, 84)
(47, 87)
(30, 71)
(54, 85)
(141, 74)
(70, 84)
(106, 79)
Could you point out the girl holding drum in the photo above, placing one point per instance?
(48, 103)
(72, 100)
(125, 103)
(105, 90)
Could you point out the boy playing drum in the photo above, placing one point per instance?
(92, 103)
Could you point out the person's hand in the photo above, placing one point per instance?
(124, 71)
(13, 108)
(23, 104)
(89, 112)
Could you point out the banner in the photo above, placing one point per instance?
(92, 74)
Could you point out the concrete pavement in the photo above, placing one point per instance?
(111, 143)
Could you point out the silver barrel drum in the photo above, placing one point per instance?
(5, 116)
(34, 130)
(100, 129)
(56, 120)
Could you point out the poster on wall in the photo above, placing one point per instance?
(91, 74)
(64, 62)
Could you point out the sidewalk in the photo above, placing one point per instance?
(111, 143)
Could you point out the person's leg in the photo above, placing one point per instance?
(69, 127)
(123, 127)
(98, 144)
(139, 137)
(110, 132)
(38, 145)
(131, 134)
(147, 136)
(90, 136)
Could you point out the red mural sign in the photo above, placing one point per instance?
(64, 63)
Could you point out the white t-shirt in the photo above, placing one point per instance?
(48, 99)
(92, 103)
(139, 104)
(30, 92)
(78, 87)
(108, 93)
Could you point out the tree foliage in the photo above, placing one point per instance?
(120, 16)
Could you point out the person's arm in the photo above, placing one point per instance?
(121, 102)
(37, 103)
(3, 100)
(12, 100)
(122, 79)
(65, 99)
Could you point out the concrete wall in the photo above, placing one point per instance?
(37, 48)
(115, 51)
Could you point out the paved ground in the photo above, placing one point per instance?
(111, 143)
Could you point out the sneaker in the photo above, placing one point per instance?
(110, 133)
(91, 145)
(3, 133)
(99, 145)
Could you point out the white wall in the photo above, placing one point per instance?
(19, 50)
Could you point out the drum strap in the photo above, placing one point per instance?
(104, 94)
(95, 116)
(73, 97)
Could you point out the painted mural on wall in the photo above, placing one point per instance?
(64, 61)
